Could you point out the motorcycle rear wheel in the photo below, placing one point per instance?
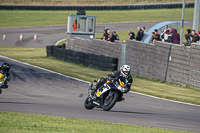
(88, 104)
(110, 101)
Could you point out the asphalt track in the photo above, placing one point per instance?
(33, 90)
(49, 35)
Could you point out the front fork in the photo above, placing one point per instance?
(90, 88)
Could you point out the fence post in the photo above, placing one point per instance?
(123, 55)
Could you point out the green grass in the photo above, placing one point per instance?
(37, 56)
(21, 18)
(31, 123)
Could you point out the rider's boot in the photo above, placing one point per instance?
(5, 84)
(99, 84)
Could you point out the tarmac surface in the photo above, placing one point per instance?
(33, 90)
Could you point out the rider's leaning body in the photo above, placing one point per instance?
(4, 75)
(124, 72)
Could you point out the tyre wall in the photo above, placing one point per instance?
(101, 62)
(97, 47)
(97, 8)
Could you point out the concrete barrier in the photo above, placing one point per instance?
(163, 61)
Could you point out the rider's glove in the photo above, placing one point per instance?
(110, 77)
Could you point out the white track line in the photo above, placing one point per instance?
(45, 69)
(60, 41)
(89, 82)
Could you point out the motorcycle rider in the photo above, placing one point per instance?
(4, 75)
(124, 72)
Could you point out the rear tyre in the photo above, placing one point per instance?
(110, 101)
(88, 104)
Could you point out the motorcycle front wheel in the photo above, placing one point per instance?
(110, 101)
(88, 104)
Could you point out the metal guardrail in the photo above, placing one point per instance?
(115, 7)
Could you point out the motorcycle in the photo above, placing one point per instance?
(107, 95)
(4, 76)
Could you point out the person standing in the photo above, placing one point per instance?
(139, 34)
(195, 37)
(114, 36)
(156, 35)
(144, 30)
(74, 25)
(132, 35)
(188, 38)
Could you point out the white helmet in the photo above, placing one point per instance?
(125, 71)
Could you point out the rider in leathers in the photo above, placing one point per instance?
(124, 72)
(4, 75)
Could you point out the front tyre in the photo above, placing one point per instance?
(110, 101)
(88, 104)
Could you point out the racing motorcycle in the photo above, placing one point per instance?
(4, 75)
(107, 95)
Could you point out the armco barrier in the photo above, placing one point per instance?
(101, 62)
(115, 7)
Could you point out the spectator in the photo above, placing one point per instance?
(139, 34)
(191, 37)
(109, 35)
(153, 39)
(199, 35)
(164, 34)
(132, 35)
(156, 36)
(176, 38)
(105, 35)
(195, 37)
(144, 30)
(188, 38)
(170, 36)
(114, 36)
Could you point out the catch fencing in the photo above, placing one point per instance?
(97, 8)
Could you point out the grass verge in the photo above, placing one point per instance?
(21, 18)
(31, 123)
(37, 56)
